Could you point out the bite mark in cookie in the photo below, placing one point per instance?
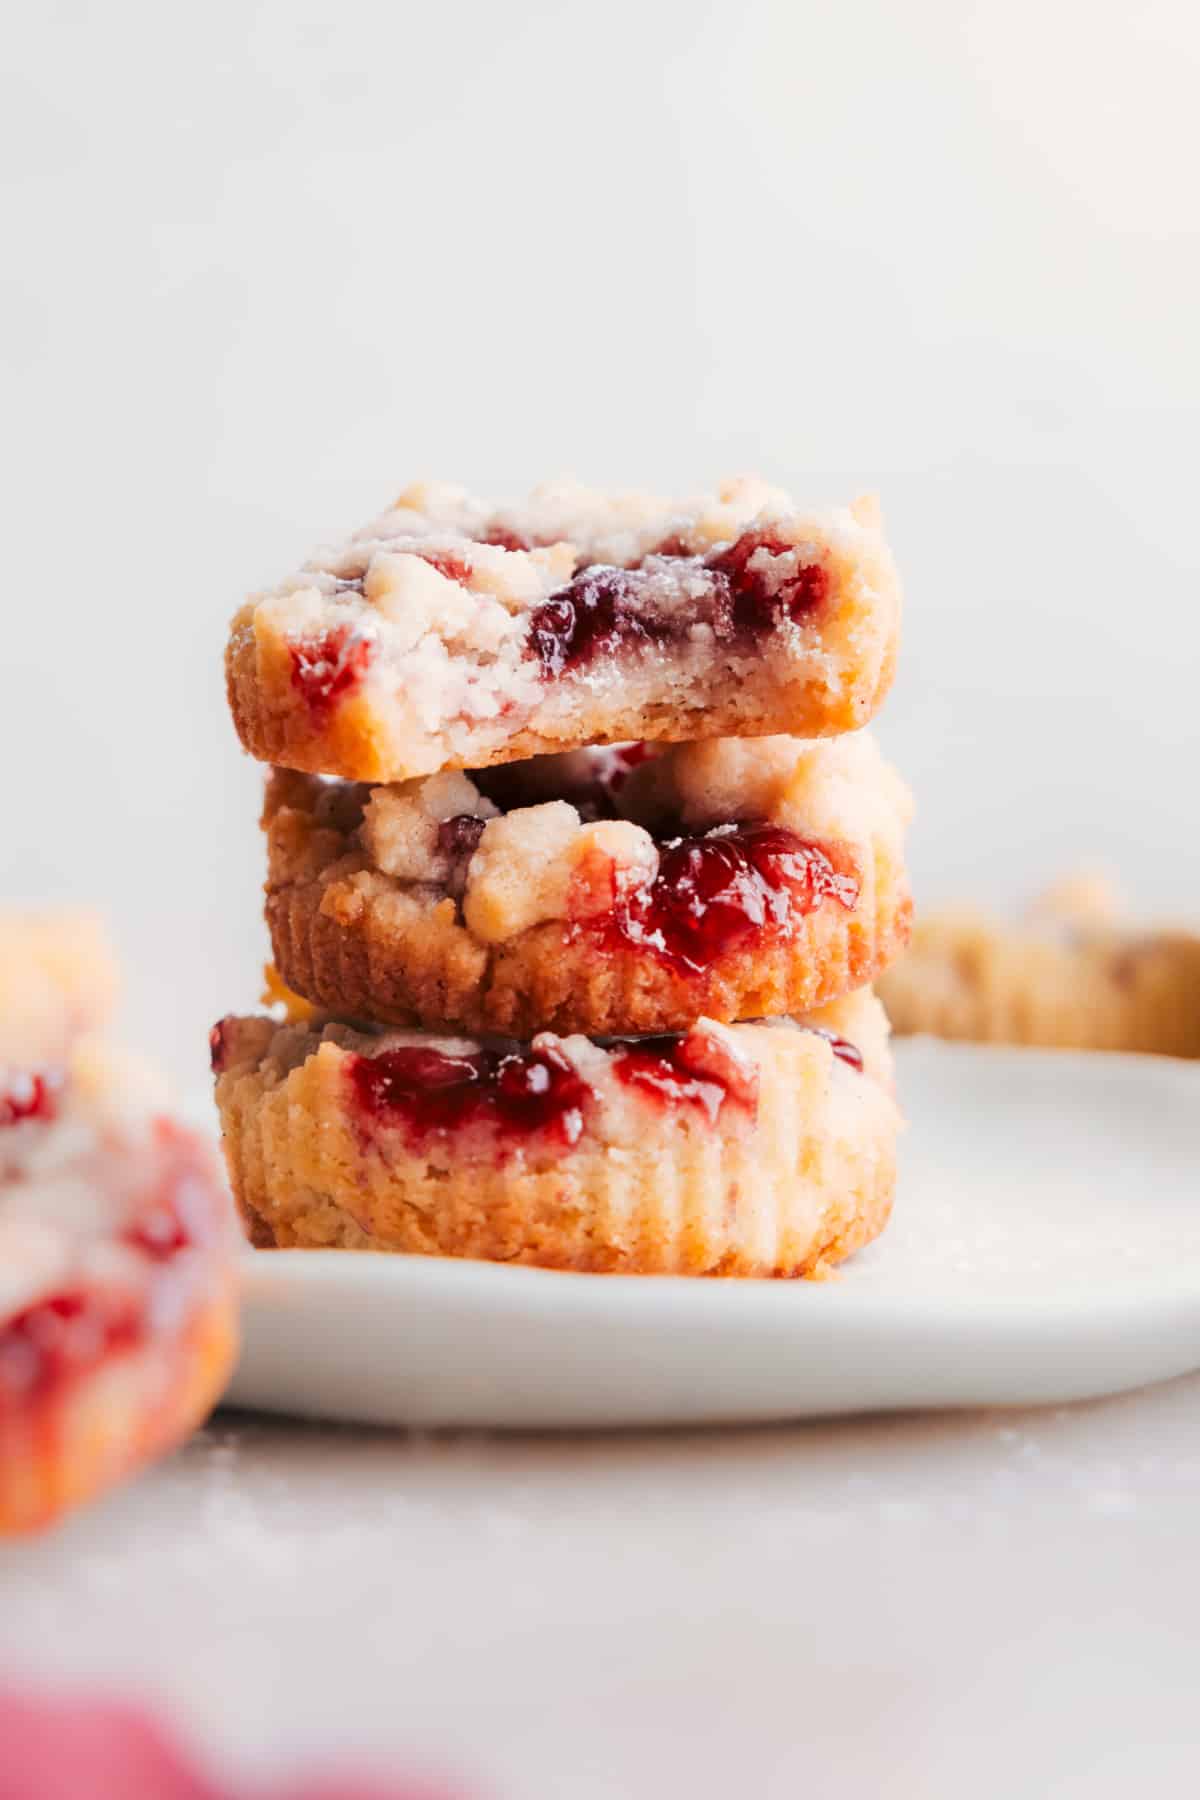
(447, 636)
(737, 595)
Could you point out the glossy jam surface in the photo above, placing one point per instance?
(596, 615)
(30, 1095)
(328, 668)
(842, 1048)
(694, 1069)
(743, 592)
(763, 588)
(715, 893)
(516, 1095)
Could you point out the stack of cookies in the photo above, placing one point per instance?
(579, 869)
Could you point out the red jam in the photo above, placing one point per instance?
(516, 1094)
(31, 1096)
(218, 1045)
(694, 1069)
(715, 893)
(504, 539)
(604, 609)
(454, 568)
(328, 668)
(759, 599)
(596, 615)
(459, 837)
(842, 1048)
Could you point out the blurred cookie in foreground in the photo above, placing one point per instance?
(58, 978)
(1072, 974)
(85, 1746)
(117, 1308)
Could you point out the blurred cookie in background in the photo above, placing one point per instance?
(1072, 973)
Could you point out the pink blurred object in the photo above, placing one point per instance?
(105, 1750)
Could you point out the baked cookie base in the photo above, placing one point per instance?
(786, 1186)
(361, 943)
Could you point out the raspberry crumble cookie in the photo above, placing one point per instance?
(753, 1149)
(1072, 975)
(117, 1311)
(450, 634)
(599, 891)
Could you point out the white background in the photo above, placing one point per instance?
(266, 263)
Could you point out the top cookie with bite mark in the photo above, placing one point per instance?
(449, 634)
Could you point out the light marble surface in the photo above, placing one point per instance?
(988, 1604)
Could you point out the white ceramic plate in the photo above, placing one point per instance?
(1045, 1247)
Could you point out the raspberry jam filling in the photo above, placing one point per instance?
(516, 1094)
(504, 539)
(842, 1048)
(32, 1094)
(688, 1069)
(454, 568)
(595, 615)
(714, 893)
(328, 668)
(742, 592)
(218, 1045)
(768, 582)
